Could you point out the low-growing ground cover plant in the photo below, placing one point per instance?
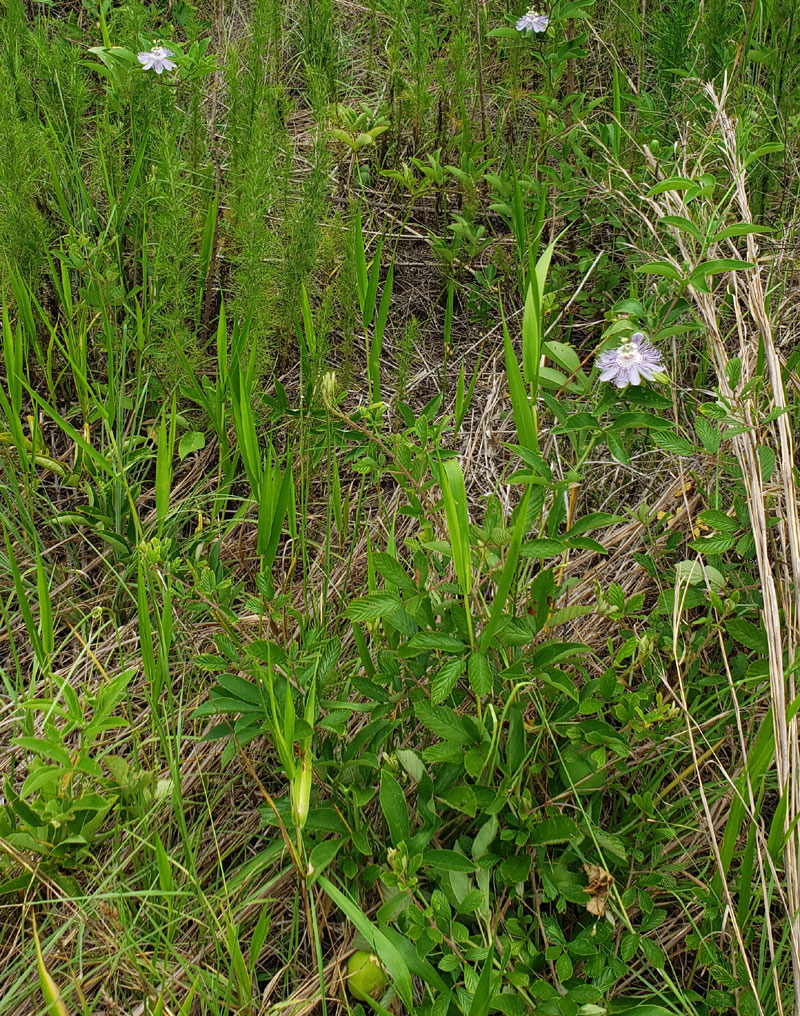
(400, 548)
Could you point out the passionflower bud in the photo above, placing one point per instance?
(301, 791)
(328, 389)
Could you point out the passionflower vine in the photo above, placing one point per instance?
(634, 359)
(533, 21)
(158, 60)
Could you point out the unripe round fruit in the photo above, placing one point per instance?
(365, 976)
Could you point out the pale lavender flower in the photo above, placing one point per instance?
(158, 60)
(635, 359)
(533, 21)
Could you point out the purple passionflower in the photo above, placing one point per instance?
(158, 60)
(533, 21)
(634, 359)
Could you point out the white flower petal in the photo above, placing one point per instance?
(157, 59)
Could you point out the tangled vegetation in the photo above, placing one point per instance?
(400, 560)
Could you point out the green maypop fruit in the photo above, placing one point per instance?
(366, 977)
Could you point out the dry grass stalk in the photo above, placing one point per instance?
(778, 555)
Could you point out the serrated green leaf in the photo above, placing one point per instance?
(748, 634)
(672, 442)
(559, 829)
(766, 460)
(516, 869)
(392, 570)
(441, 721)
(713, 544)
(480, 674)
(719, 520)
(542, 548)
(372, 607)
(445, 680)
(709, 436)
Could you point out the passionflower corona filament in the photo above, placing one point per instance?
(533, 21)
(628, 363)
(158, 59)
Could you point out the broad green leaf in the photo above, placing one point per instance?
(461, 798)
(323, 854)
(553, 652)
(770, 148)
(192, 441)
(50, 990)
(718, 267)
(451, 480)
(516, 868)
(561, 682)
(625, 421)
(429, 640)
(741, 229)
(697, 574)
(663, 268)
(485, 838)
(682, 223)
(394, 807)
(595, 520)
(506, 579)
(672, 183)
(388, 954)
(766, 460)
(448, 860)
(563, 355)
(520, 403)
(483, 992)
